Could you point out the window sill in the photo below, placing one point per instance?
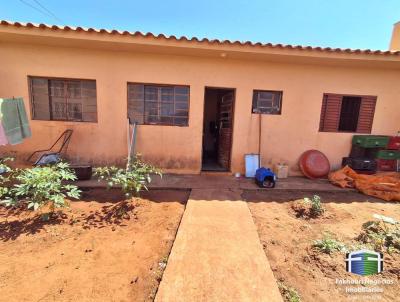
(345, 132)
(165, 125)
(64, 121)
(265, 113)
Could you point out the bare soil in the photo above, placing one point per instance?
(100, 249)
(287, 242)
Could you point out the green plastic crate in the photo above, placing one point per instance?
(370, 141)
(388, 154)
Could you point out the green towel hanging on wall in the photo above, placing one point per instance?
(14, 120)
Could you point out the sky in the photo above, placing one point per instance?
(365, 24)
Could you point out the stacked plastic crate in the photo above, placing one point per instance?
(387, 160)
(370, 153)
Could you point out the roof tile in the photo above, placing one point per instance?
(195, 39)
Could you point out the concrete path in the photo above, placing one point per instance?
(217, 255)
(217, 181)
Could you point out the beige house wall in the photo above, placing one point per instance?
(395, 40)
(178, 149)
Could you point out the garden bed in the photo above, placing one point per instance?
(288, 239)
(100, 249)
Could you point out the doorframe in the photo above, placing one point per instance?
(233, 90)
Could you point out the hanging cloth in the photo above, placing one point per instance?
(3, 137)
(14, 120)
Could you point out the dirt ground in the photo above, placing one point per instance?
(287, 242)
(96, 251)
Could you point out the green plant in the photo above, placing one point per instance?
(317, 208)
(308, 207)
(289, 294)
(132, 180)
(40, 186)
(6, 174)
(328, 244)
(380, 235)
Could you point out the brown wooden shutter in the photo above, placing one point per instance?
(366, 115)
(330, 113)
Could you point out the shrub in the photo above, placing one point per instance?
(380, 235)
(132, 180)
(308, 207)
(316, 206)
(40, 186)
(328, 244)
(289, 294)
(6, 174)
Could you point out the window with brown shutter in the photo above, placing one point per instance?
(347, 113)
(154, 104)
(56, 99)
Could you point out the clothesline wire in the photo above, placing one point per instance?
(42, 9)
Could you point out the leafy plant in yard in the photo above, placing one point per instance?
(6, 174)
(316, 206)
(44, 185)
(328, 244)
(289, 294)
(308, 207)
(132, 180)
(380, 235)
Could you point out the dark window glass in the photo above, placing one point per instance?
(63, 99)
(349, 113)
(158, 104)
(267, 102)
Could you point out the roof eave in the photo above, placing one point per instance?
(124, 40)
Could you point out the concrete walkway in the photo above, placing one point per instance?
(229, 182)
(216, 181)
(217, 255)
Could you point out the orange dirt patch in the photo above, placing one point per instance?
(98, 250)
(287, 241)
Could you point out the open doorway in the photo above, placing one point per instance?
(217, 129)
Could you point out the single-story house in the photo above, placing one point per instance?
(200, 104)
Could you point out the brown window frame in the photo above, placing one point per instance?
(332, 114)
(67, 98)
(142, 117)
(256, 108)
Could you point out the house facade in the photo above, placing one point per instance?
(199, 104)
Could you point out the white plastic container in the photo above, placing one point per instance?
(252, 164)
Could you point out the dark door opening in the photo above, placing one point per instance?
(217, 129)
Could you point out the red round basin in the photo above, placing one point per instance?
(314, 164)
